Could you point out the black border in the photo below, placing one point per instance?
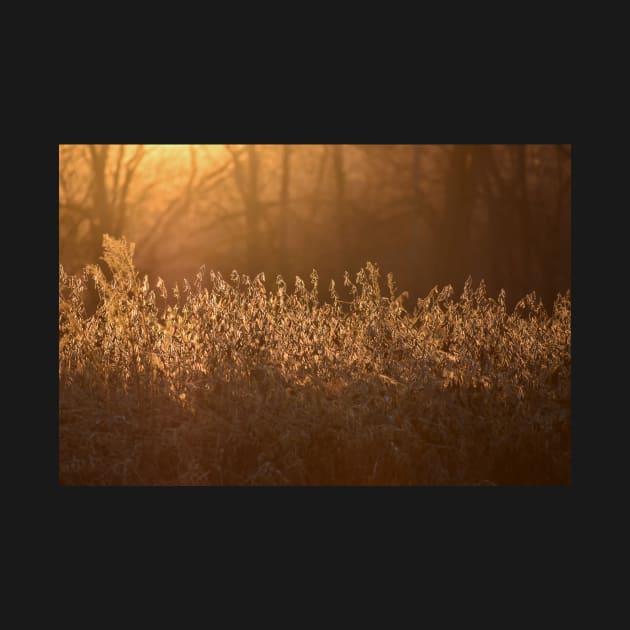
(431, 517)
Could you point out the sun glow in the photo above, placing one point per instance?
(169, 162)
(180, 154)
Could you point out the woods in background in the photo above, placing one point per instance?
(431, 214)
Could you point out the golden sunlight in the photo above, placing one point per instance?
(314, 315)
(181, 151)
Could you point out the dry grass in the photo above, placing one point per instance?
(224, 382)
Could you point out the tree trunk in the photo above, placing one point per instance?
(254, 245)
(284, 209)
(521, 206)
(456, 227)
(418, 201)
(100, 204)
(345, 249)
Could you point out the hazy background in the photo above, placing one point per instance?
(431, 214)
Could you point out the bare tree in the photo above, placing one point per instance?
(284, 207)
(101, 187)
(340, 206)
(247, 182)
(101, 204)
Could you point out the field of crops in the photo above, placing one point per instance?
(254, 381)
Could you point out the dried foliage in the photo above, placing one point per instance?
(225, 382)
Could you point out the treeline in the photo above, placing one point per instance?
(432, 214)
